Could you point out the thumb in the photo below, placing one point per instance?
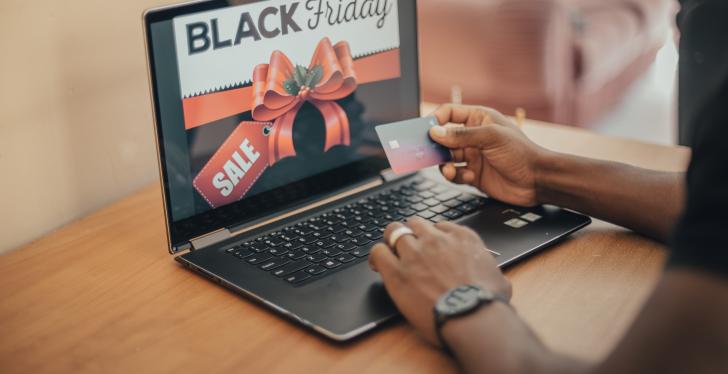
(455, 137)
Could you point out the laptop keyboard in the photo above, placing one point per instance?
(334, 240)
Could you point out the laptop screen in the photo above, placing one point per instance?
(263, 104)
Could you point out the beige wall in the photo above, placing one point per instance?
(75, 118)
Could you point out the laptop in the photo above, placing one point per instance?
(275, 184)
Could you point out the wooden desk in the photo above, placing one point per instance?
(103, 295)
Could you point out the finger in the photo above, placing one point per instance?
(474, 159)
(389, 229)
(403, 245)
(456, 137)
(463, 176)
(448, 171)
(458, 155)
(450, 227)
(467, 176)
(455, 113)
(383, 261)
(421, 227)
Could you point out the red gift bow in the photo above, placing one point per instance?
(273, 102)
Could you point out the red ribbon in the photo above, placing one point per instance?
(273, 102)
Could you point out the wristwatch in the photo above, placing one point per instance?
(460, 301)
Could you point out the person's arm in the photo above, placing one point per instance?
(682, 328)
(646, 201)
(510, 344)
(506, 165)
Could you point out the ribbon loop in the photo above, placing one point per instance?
(280, 89)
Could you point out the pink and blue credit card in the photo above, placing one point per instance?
(408, 145)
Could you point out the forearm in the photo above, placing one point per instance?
(495, 340)
(646, 201)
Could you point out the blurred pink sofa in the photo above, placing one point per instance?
(565, 61)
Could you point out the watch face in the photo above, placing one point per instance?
(460, 300)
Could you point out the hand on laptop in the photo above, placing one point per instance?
(425, 265)
(501, 160)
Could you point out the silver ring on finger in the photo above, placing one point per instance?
(397, 234)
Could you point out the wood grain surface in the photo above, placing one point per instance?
(103, 295)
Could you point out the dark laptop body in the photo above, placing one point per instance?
(224, 243)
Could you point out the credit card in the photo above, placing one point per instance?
(408, 145)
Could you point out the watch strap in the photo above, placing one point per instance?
(440, 321)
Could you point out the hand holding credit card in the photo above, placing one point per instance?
(408, 145)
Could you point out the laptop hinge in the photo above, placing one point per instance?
(210, 239)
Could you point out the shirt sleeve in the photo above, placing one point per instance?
(701, 236)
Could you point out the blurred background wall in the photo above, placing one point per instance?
(68, 70)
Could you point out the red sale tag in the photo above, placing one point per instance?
(236, 165)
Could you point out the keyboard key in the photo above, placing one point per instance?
(274, 263)
(426, 194)
(418, 207)
(438, 218)
(414, 199)
(259, 247)
(439, 209)
(315, 270)
(231, 249)
(325, 243)
(308, 239)
(321, 234)
(426, 214)
(373, 235)
(297, 277)
(468, 207)
(331, 264)
(452, 214)
(291, 268)
(292, 245)
(346, 258)
(331, 252)
(381, 222)
(309, 249)
(392, 218)
(278, 251)
(375, 214)
(274, 242)
(452, 203)
(447, 195)
(316, 257)
(339, 238)
(406, 212)
(361, 252)
(360, 241)
(359, 220)
(367, 227)
(353, 232)
(243, 253)
(346, 246)
(296, 255)
(302, 231)
(466, 198)
(289, 237)
(258, 258)
(337, 228)
(431, 202)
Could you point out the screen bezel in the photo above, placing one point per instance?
(307, 190)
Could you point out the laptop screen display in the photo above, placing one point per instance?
(256, 100)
